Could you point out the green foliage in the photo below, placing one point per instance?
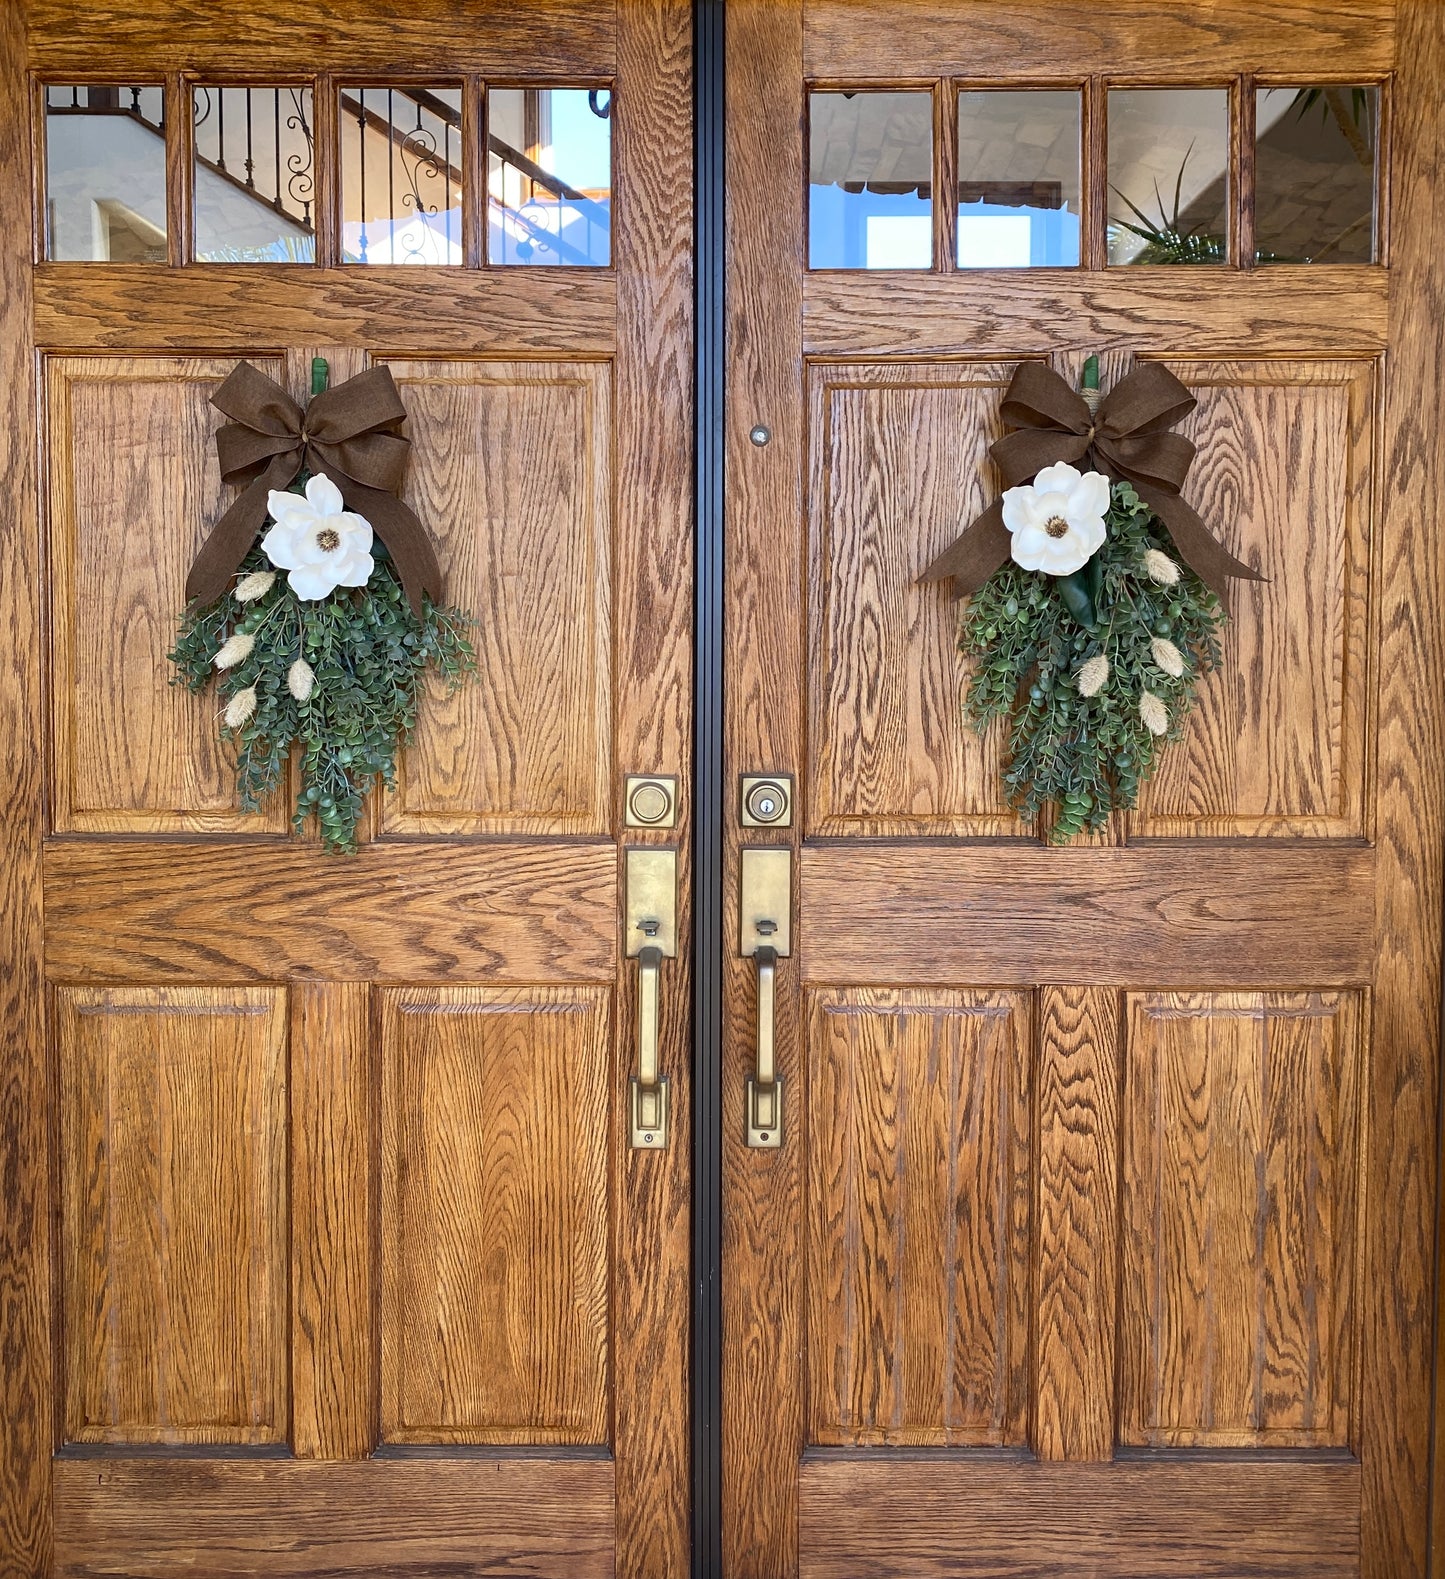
(1087, 756)
(367, 650)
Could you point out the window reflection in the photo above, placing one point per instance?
(401, 175)
(870, 203)
(1315, 155)
(549, 176)
(1168, 175)
(1018, 178)
(254, 174)
(105, 174)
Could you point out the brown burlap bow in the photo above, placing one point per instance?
(348, 434)
(1127, 438)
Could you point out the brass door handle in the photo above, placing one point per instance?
(649, 1087)
(651, 923)
(766, 935)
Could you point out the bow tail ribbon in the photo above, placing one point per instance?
(397, 526)
(231, 537)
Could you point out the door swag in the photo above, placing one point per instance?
(315, 602)
(1094, 591)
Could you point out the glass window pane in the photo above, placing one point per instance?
(870, 198)
(401, 175)
(1315, 174)
(105, 174)
(254, 175)
(549, 176)
(1018, 178)
(1168, 175)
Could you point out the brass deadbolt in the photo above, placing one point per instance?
(651, 802)
(767, 801)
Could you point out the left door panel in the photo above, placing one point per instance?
(323, 1245)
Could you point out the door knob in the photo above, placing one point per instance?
(651, 922)
(766, 935)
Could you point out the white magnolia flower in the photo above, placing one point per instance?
(317, 541)
(240, 708)
(1154, 714)
(1167, 656)
(1092, 674)
(1159, 567)
(235, 649)
(254, 586)
(1057, 520)
(300, 677)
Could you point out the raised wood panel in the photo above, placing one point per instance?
(386, 1518)
(496, 1208)
(1207, 915)
(918, 1117)
(403, 912)
(511, 471)
(1241, 1202)
(898, 459)
(173, 1213)
(970, 1517)
(1158, 312)
(134, 488)
(865, 40)
(210, 306)
(570, 37)
(1277, 744)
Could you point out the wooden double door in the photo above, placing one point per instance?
(1090, 1224)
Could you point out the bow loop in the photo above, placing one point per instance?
(1127, 438)
(348, 434)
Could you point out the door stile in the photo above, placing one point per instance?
(653, 370)
(762, 1189)
(1402, 1084)
(26, 1423)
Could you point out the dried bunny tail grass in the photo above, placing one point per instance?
(236, 649)
(1092, 675)
(254, 586)
(1159, 567)
(1167, 656)
(300, 677)
(1154, 714)
(240, 708)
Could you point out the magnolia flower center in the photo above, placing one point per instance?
(1056, 526)
(328, 539)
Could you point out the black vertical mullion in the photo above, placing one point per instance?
(708, 794)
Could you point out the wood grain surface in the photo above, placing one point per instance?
(551, 38)
(333, 1212)
(512, 464)
(245, 310)
(431, 911)
(1286, 468)
(1174, 915)
(918, 1217)
(892, 1516)
(495, 1209)
(1020, 312)
(987, 40)
(898, 460)
(1075, 1235)
(397, 1518)
(27, 1378)
(173, 1213)
(135, 484)
(1241, 1202)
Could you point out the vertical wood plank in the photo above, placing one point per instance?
(1077, 1223)
(26, 1423)
(333, 1134)
(1410, 811)
(762, 1190)
(180, 182)
(653, 369)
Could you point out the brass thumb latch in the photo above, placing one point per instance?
(766, 935)
(651, 923)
